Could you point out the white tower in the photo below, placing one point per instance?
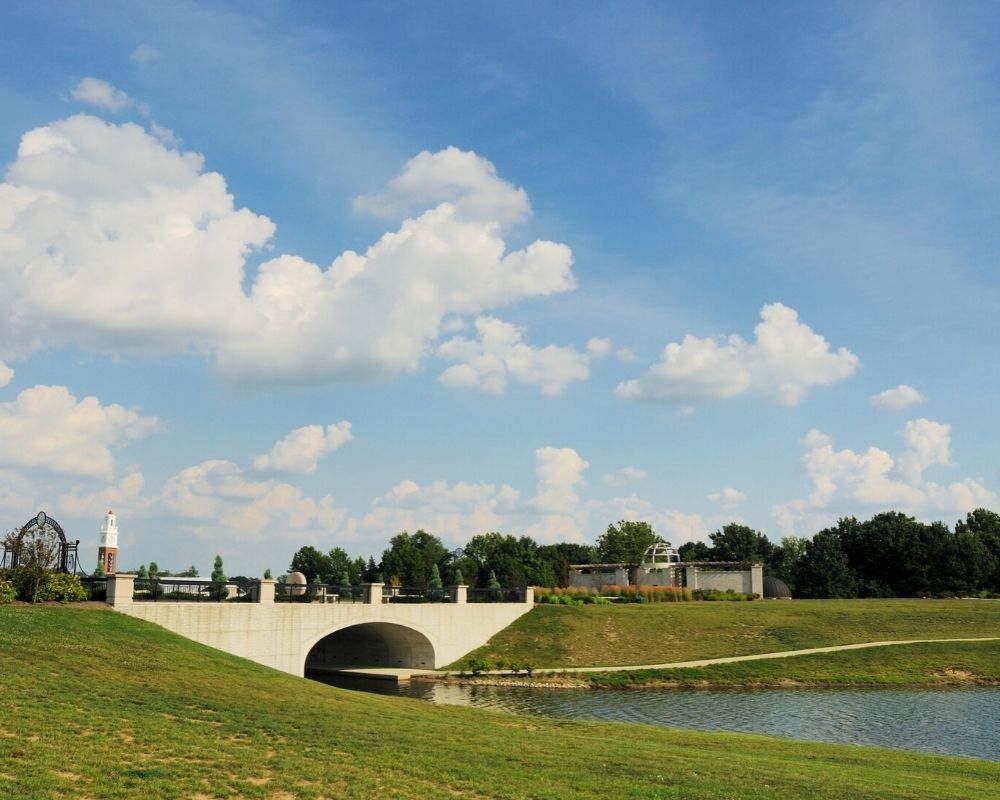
(107, 553)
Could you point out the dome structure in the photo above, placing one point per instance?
(776, 589)
(660, 553)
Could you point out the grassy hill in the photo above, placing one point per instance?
(610, 635)
(98, 705)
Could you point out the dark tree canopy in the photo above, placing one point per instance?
(410, 557)
(740, 543)
(626, 542)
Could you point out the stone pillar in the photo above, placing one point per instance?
(757, 579)
(373, 593)
(120, 589)
(692, 578)
(264, 591)
(459, 594)
(529, 595)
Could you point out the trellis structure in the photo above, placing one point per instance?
(41, 525)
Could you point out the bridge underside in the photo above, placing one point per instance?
(372, 644)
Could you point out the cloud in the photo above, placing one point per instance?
(625, 354)
(301, 450)
(927, 443)
(902, 396)
(625, 475)
(219, 494)
(463, 179)
(728, 496)
(873, 478)
(451, 511)
(6, 374)
(559, 471)
(114, 241)
(783, 363)
(144, 54)
(501, 351)
(101, 94)
(49, 428)
(126, 495)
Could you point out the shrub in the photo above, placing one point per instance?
(61, 586)
(7, 593)
(477, 665)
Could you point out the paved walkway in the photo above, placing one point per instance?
(705, 662)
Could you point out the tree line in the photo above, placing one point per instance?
(889, 555)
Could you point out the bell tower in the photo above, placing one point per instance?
(107, 553)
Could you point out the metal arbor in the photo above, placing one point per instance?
(34, 532)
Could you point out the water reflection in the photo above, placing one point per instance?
(956, 721)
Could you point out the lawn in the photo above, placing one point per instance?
(99, 705)
(611, 635)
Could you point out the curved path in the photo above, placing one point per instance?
(704, 662)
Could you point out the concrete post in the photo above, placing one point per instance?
(529, 595)
(757, 579)
(264, 591)
(459, 594)
(120, 589)
(373, 593)
(692, 578)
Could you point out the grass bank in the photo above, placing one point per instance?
(586, 636)
(99, 705)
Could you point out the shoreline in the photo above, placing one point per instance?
(558, 681)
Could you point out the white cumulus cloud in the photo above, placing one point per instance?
(501, 352)
(902, 396)
(301, 450)
(728, 496)
(6, 374)
(786, 359)
(875, 479)
(95, 92)
(463, 179)
(559, 471)
(113, 240)
(218, 498)
(47, 427)
(625, 475)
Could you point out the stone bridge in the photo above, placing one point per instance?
(317, 637)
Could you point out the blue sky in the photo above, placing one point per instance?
(291, 273)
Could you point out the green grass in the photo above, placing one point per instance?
(933, 664)
(98, 705)
(585, 636)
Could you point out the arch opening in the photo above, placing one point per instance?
(370, 645)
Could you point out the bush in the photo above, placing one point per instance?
(7, 593)
(62, 587)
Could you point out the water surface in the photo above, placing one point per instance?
(954, 721)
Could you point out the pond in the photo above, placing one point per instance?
(955, 721)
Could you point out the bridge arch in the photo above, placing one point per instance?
(370, 644)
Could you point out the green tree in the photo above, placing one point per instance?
(219, 590)
(516, 561)
(740, 543)
(560, 556)
(785, 559)
(311, 563)
(822, 570)
(409, 557)
(190, 572)
(339, 563)
(984, 525)
(626, 542)
(267, 575)
(694, 551)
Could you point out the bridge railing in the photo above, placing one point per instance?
(417, 594)
(496, 595)
(319, 593)
(124, 588)
(187, 590)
